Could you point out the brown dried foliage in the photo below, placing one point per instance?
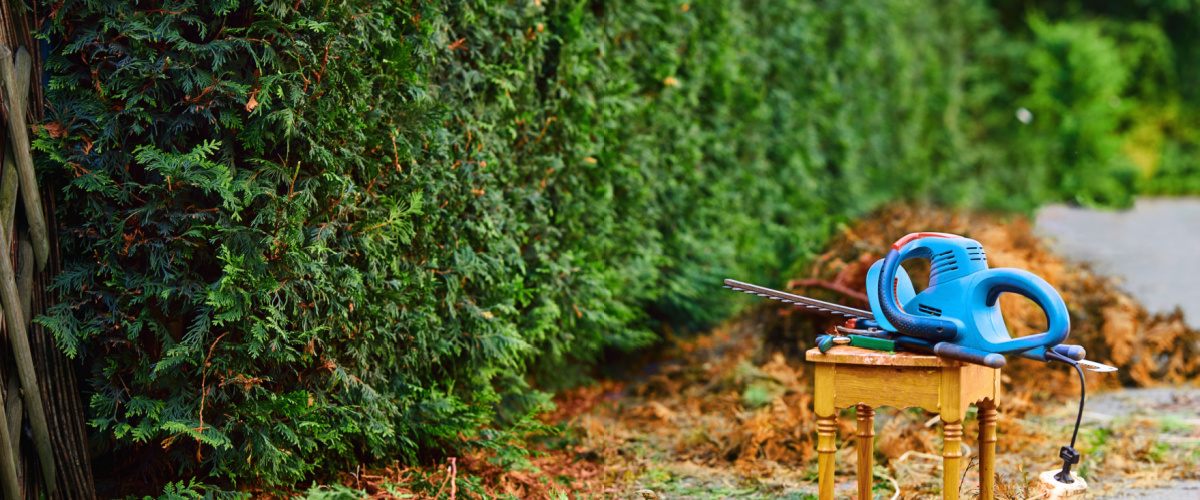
(586, 478)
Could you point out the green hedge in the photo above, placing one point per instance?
(304, 235)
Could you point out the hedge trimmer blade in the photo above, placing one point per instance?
(788, 298)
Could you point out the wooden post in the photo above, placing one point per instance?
(866, 450)
(15, 319)
(987, 449)
(10, 437)
(951, 431)
(25, 273)
(826, 428)
(14, 410)
(8, 179)
(8, 461)
(18, 140)
(8, 191)
(13, 406)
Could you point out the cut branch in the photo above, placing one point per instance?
(830, 285)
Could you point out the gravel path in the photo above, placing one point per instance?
(1177, 403)
(1178, 490)
(1157, 401)
(1181, 403)
(1153, 247)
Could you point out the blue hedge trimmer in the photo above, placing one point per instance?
(957, 317)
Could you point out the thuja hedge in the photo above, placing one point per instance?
(299, 236)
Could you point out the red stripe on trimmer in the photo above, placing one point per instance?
(914, 236)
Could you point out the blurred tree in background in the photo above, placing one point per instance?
(1145, 53)
(300, 236)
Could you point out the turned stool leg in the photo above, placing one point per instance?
(866, 450)
(826, 428)
(826, 446)
(951, 457)
(987, 449)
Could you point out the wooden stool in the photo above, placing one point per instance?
(851, 376)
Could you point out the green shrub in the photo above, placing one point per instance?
(245, 268)
(191, 490)
(301, 236)
(1148, 121)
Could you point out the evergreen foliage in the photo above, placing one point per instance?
(244, 271)
(1112, 79)
(305, 235)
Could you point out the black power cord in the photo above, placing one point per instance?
(1067, 453)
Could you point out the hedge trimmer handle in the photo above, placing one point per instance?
(993, 282)
(914, 326)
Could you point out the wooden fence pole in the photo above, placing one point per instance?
(8, 461)
(15, 318)
(8, 191)
(18, 140)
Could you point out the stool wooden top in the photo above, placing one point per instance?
(851, 355)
